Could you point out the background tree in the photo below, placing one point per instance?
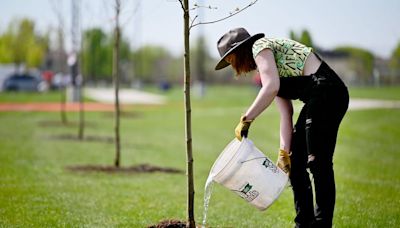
(5, 48)
(201, 56)
(21, 45)
(293, 36)
(361, 62)
(38, 49)
(304, 37)
(126, 61)
(97, 54)
(115, 73)
(150, 62)
(60, 57)
(23, 37)
(394, 63)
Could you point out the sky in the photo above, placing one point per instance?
(370, 24)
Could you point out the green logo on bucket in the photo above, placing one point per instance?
(248, 194)
(246, 189)
(268, 164)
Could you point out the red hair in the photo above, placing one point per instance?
(242, 60)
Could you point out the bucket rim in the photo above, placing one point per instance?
(229, 163)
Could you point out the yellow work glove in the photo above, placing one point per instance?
(242, 128)
(283, 161)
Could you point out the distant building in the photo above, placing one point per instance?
(340, 62)
(56, 61)
(346, 67)
(383, 74)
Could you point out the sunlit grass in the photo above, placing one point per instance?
(37, 191)
(385, 93)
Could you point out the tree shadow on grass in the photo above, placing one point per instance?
(57, 123)
(87, 138)
(124, 114)
(141, 168)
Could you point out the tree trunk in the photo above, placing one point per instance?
(81, 109)
(116, 84)
(64, 119)
(188, 121)
(80, 85)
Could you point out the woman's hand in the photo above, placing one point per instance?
(283, 161)
(242, 128)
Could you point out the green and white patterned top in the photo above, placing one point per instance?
(290, 56)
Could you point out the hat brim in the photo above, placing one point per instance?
(222, 63)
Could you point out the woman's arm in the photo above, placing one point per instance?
(286, 125)
(270, 80)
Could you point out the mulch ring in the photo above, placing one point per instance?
(171, 223)
(141, 168)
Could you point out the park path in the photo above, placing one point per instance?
(359, 104)
(126, 96)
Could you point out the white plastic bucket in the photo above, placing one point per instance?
(245, 170)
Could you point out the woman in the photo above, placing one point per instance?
(289, 70)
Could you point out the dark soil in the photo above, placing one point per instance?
(172, 223)
(88, 138)
(141, 168)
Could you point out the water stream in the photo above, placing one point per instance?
(207, 197)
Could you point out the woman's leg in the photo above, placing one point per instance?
(323, 174)
(326, 112)
(299, 177)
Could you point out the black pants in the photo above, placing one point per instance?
(325, 100)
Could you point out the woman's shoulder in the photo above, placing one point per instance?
(266, 43)
(261, 44)
(275, 44)
(263, 41)
(270, 42)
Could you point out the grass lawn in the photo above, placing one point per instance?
(36, 190)
(384, 93)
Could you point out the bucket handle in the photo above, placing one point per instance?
(252, 159)
(272, 167)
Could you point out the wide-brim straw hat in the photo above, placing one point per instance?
(230, 41)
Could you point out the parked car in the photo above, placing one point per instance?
(24, 82)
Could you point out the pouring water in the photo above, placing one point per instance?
(207, 197)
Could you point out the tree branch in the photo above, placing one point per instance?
(191, 24)
(196, 6)
(183, 7)
(224, 18)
